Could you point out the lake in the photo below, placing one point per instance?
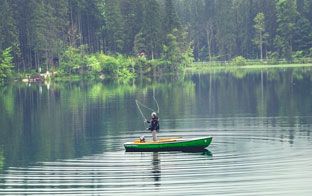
(67, 139)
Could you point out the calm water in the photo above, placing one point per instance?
(68, 139)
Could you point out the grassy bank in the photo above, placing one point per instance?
(203, 67)
(240, 63)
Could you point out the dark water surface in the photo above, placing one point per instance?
(68, 139)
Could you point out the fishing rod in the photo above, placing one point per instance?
(138, 104)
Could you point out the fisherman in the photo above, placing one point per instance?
(154, 125)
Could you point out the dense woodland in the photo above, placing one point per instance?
(39, 32)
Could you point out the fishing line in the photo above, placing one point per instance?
(138, 104)
(155, 100)
(144, 106)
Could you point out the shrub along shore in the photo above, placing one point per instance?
(77, 64)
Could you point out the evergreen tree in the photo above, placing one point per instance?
(132, 17)
(225, 35)
(39, 31)
(177, 50)
(8, 30)
(269, 10)
(139, 44)
(22, 16)
(302, 38)
(171, 20)
(261, 35)
(90, 24)
(113, 27)
(151, 28)
(286, 17)
(40, 40)
(209, 25)
(195, 21)
(6, 64)
(308, 10)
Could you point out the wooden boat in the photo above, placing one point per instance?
(169, 144)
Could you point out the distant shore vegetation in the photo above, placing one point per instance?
(125, 39)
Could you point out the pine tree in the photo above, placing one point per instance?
(177, 50)
(6, 64)
(302, 38)
(209, 25)
(139, 44)
(171, 20)
(40, 19)
(226, 35)
(308, 10)
(151, 28)
(90, 24)
(261, 35)
(132, 17)
(286, 17)
(8, 30)
(269, 10)
(113, 27)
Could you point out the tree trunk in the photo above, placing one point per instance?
(209, 36)
(261, 46)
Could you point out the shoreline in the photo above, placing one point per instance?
(207, 67)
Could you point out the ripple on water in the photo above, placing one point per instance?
(237, 163)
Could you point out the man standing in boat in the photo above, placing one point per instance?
(154, 125)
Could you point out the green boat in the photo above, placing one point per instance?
(169, 144)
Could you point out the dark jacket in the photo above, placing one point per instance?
(154, 124)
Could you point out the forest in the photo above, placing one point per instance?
(101, 34)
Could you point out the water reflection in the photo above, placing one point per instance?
(204, 152)
(1, 160)
(156, 170)
(207, 153)
(260, 122)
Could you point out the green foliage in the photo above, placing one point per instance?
(113, 26)
(155, 67)
(139, 43)
(272, 57)
(94, 64)
(260, 36)
(187, 56)
(151, 28)
(286, 18)
(302, 35)
(119, 66)
(300, 57)
(259, 23)
(132, 12)
(171, 52)
(238, 61)
(6, 64)
(8, 29)
(310, 53)
(74, 60)
(177, 50)
(42, 32)
(298, 54)
(171, 20)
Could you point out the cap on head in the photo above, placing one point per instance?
(153, 114)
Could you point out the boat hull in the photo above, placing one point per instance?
(196, 144)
